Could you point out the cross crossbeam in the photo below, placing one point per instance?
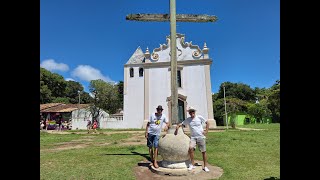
(166, 17)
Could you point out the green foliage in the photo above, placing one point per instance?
(259, 110)
(257, 102)
(237, 90)
(61, 100)
(274, 102)
(53, 81)
(72, 91)
(120, 93)
(85, 98)
(106, 97)
(218, 109)
(45, 93)
(53, 88)
(235, 105)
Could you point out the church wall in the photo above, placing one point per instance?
(133, 100)
(194, 86)
(159, 89)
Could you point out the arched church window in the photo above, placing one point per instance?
(131, 72)
(140, 72)
(179, 78)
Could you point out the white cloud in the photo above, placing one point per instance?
(88, 73)
(50, 65)
(69, 79)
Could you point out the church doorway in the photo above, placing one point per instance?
(181, 111)
(182, 103)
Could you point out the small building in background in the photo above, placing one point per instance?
(71, 114)
(77, 116)
(241, 118)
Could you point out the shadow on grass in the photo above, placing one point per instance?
(272, 178)
(133, 153)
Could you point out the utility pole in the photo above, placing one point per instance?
(79, 98)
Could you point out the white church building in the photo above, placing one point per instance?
(147, 83)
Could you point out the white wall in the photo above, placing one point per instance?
(159, 89)
(193, 78)
(134, 100)
(80, 117)
(193, 86)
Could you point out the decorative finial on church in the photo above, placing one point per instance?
(205, 51)
(147, 55)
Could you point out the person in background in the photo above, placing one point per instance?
(41, 124)
(95, 126)
(88, 125)
(59, 121)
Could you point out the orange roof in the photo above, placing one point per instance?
(65, 107)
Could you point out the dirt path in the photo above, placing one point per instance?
(250, 129)
(137, 138)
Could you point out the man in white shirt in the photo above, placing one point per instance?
(153, 131)
(197, 136)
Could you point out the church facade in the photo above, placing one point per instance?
(147, 83)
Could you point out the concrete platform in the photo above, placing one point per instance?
(145, 170)
(174, 172)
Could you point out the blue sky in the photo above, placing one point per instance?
(89, 39)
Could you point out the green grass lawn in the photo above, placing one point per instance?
(241, 154)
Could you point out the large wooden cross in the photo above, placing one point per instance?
(172, 17)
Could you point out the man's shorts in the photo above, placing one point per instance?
(153, 140)
(201, 142)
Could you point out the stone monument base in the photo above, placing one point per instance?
(212, 123)
(174, 171)
(175, 164)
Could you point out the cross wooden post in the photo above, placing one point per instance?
(172, 18)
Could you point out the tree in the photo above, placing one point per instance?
(274, 101)
(218, 109)
(237, 90)
(235, 105)
(54, 82)
(105, 97)
(85, 98)
(72, 91)
(63, 100)
(45, 93)
(259, 110)
(120, 93)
